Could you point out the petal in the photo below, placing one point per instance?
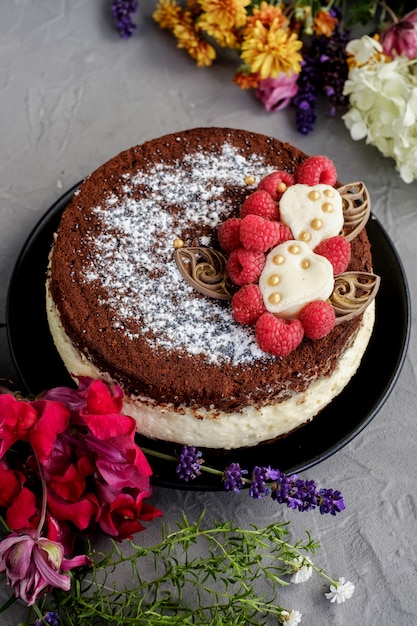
(54, 418)
(23, 509)
(50, 575)
(110, 425)
(100, 400)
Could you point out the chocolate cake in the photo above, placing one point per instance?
(120, 308)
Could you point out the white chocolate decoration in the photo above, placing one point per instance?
(313, 213)
(293, 276)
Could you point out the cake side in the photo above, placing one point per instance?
(213, 428)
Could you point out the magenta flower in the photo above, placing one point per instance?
(401, 37)
(33, 565)
(276, 93)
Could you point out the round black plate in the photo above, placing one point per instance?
(39, 366)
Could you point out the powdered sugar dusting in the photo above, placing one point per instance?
(133, 256)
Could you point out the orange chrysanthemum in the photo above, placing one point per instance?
(225, 14)
(266, 14)
(270, 51)
(188, 38)
(246, 80)
(324, 23)
(167, 14)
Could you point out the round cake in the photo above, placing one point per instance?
(120, 306)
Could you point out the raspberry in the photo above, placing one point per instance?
(228, 234)
(248, 304)
(278, 336)
(316, 170)
(318, 318)
(260, 203)
(337, 251)
(245, 266)
(259, 234)
(276, 183)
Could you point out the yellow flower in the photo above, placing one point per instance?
(270, 51)
(167, 14)
(225, 14)
(188, 38)
(324, 23)
(227, 38)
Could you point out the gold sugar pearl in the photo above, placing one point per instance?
(305, 236)
(273, 280)
(314, 194)
(327, 207)
(305, 264)
(316, 224)
(178, 243)
(329, 193)
(250, 180)
(294, 249)
(282, 187)
(278, 259)
(274, 298)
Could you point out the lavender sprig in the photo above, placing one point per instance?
(295, 492)
(122, 11)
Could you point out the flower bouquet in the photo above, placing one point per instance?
(71, 472)
(291, 53)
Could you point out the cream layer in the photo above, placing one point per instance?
(211, 428)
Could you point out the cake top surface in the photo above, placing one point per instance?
(123, 301)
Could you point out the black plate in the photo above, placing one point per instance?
(39, 366)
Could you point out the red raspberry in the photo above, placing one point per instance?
(259, 234)
(337, 251)
(228, 234)
(248, 304)
(316, 170)
(278, 336)
(276, 183)
(245, 266)
(318, 318)
(260, 203)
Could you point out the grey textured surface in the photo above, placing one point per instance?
(72, 95)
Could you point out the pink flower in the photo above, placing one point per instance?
(37, 422)
(33, 565)
(121, 513)
(401, 37)
(276, 93)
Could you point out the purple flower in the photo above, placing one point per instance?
(233, 478)
(330, 501)
(33, 565)
(276, 93)
(50, 618)
(189, 463)
(401, 37)
(258, 488)
(295, 492)
(122, 11)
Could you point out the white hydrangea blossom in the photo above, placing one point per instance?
(290, 618)
(383, 103)
(302, 569)
(340, 591)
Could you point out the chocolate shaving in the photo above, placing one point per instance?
(356, 208)
(352, 293)
(205, 270)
